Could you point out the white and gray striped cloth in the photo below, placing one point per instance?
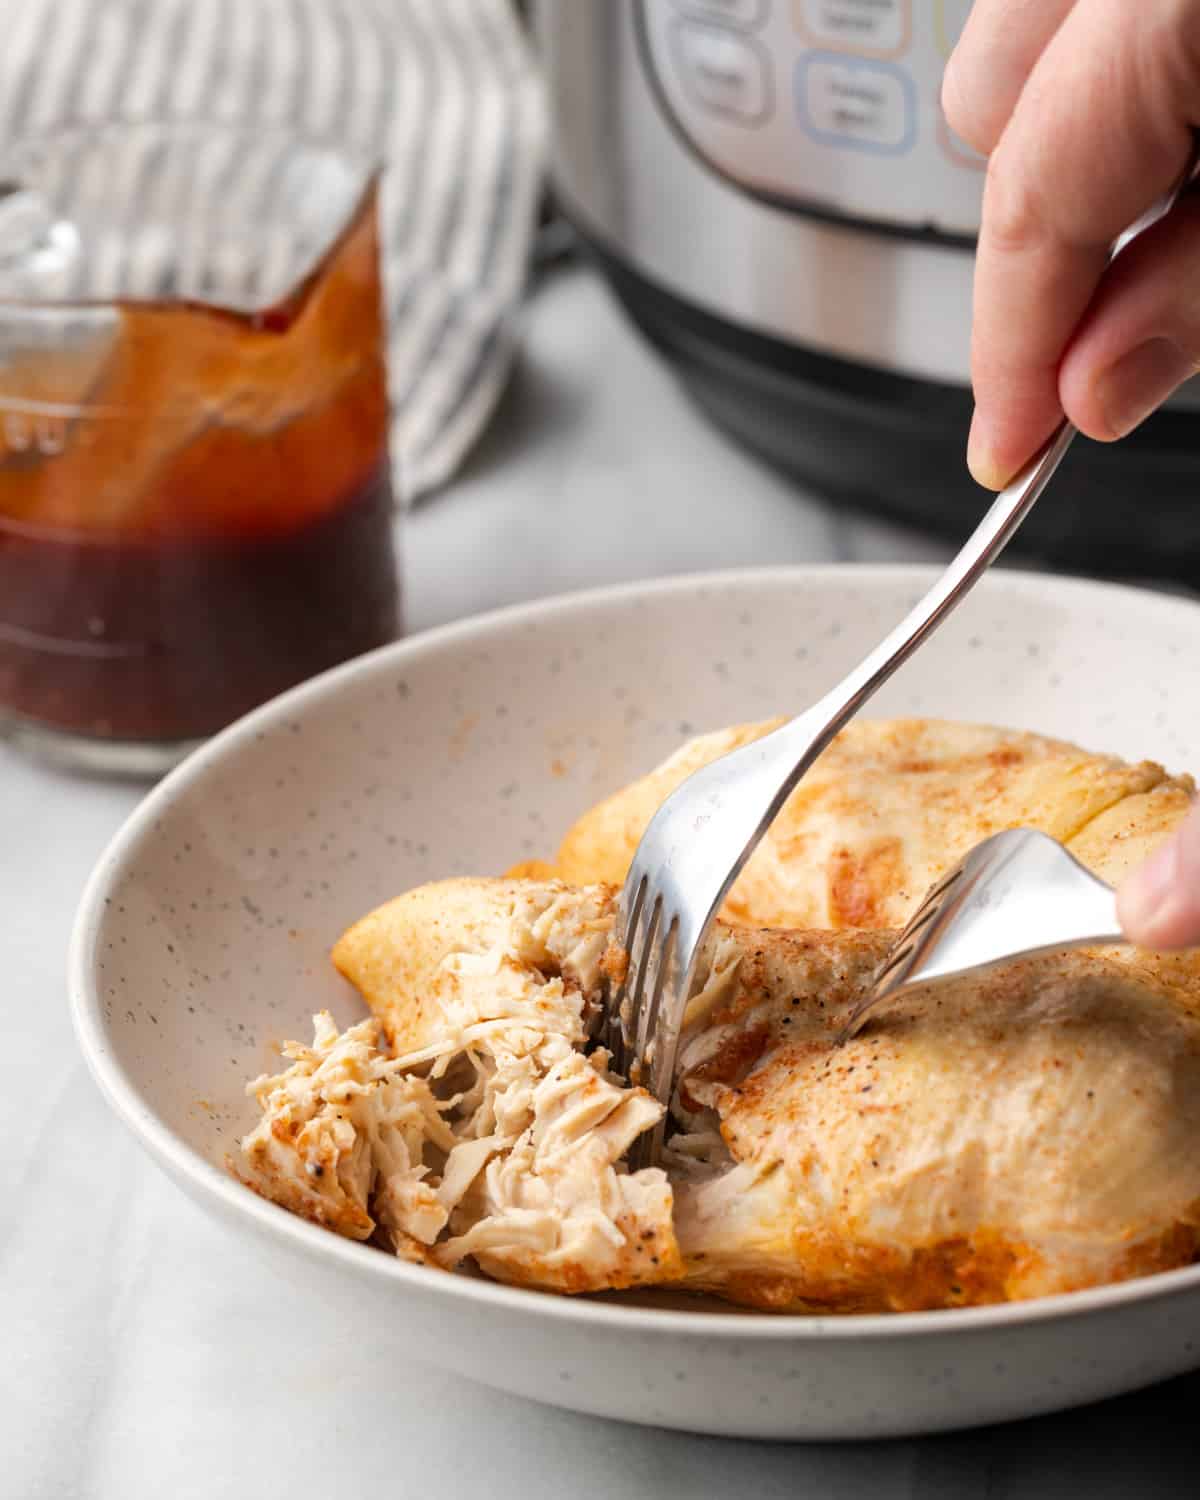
(444, 91)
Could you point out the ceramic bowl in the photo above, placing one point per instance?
(203, 941)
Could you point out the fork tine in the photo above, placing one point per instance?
(930, 907)
(625, 996)
(658, 964)
(898, 964)
(610, 1033)
(939, 888)
(899, 956)
(641, 912)
(646, 1068)
(616, 1021)
(643, 990)
(924, 913)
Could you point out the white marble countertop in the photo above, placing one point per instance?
(149, 1353)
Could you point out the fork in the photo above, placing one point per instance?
(698, 841)
(1016, 894)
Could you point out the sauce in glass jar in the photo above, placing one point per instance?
(195, 503)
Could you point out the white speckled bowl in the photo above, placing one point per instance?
(203, 938)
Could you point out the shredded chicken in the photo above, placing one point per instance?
(343, 1136)
(497, 1138)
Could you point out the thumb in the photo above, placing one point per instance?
(1140, 339)
(1159, 904)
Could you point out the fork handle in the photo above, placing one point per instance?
(981, 549)
(801, 740)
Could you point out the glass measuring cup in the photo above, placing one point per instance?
(195, 492)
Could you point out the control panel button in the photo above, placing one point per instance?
(723, 72)
(879, 28)
(949, 18)
(738, 12)
(845, 102)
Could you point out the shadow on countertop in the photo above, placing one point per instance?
(1139, 1447)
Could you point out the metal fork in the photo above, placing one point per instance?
(700, 838)
(1016, 894)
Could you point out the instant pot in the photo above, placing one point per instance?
(780, 204)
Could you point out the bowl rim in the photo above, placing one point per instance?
(193, 1171)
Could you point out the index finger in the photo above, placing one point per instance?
(995, 55)
(1100, 131)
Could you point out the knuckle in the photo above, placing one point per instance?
(960, 105)
(1180, 32)
(952, 94)
(1162, 63)
(1012, 213)
(1168, 275)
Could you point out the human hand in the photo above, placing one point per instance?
(1085, 109)
(1159, 905)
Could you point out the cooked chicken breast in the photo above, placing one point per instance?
(1031, 1131)
(889, 807)
(481, 1129)
(1034, 1131)
(1028, 1132)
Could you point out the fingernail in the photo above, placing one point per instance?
(981, 457)
(1139, 383)
(1149, 895)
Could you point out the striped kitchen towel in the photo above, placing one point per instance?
(444, 91)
